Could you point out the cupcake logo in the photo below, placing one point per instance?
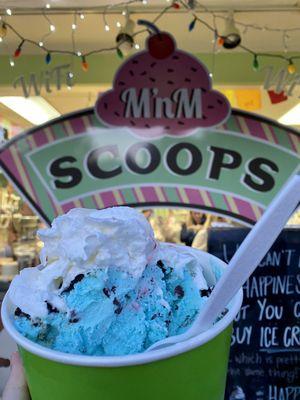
(162, 91)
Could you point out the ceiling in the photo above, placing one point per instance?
(90, 33)
(237, 4)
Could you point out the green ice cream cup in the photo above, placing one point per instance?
(195, 369)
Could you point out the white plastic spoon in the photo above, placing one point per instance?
(245, 260)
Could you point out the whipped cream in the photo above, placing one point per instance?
(79, 242)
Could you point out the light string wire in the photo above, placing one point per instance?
(171, 5)
(243, 47)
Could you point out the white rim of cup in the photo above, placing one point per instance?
(120, 361)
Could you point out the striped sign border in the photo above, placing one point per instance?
(241, 123)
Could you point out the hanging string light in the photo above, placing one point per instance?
(220, 41)
(48, 58)
(192, 24)
(119, 53)
(18, 50)
(84, 64)
(255, 63)
(48, 6)
(51, 25)
(11, 63)
(124, 47)
(3, 30)
(291, 67)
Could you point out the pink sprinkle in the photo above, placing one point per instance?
(136, 306)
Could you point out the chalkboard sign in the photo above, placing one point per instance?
(265, 348)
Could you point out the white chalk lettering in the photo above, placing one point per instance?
(291, 336)
(268, 336)
(269, 311)
(283, 393)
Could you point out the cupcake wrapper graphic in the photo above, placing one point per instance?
(162, 96)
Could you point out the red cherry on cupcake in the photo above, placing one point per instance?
(161, 45)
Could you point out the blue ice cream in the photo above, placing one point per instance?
(106, 287)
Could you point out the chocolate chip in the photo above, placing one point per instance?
(105, 106)
(20, 313)
(152, 79)
(77, 279)
(143, 73)
(153, 64)
(106, 291)
(121, 83)
(203, 90)
(170, 70)
(118, 305)
(210, 107)
(73, 317)
(135, 62)
(220, 101)
(4, 362)
(187, 80)
(51, 309)
(206, 292)
(179, 291)
(194, 69)
(167, 128)
(73, 320)
(116, 113)
(132, 123)
(175, 58)
(176, 307)
(167, 322)
(153, 317)
(113, 289)
(161, 265)
(180, 123)
(131, 72)
(147, 125)
(170, 82)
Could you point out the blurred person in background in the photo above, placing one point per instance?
(166, 228)
(212, 221)
(195, 222)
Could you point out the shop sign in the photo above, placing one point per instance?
(162, 137)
